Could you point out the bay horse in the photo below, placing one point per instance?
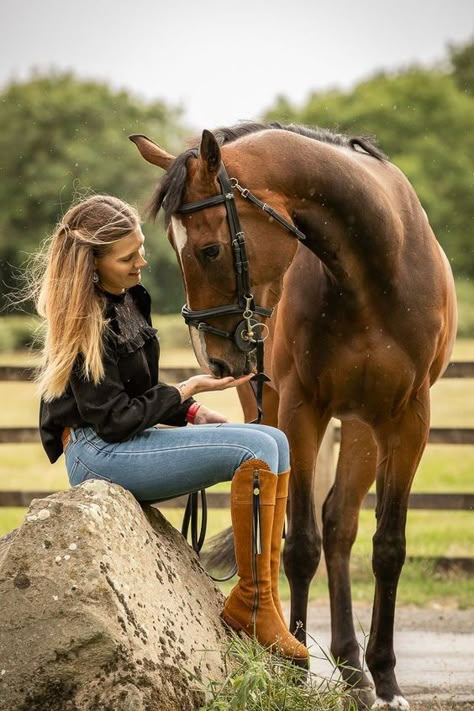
(364, 324)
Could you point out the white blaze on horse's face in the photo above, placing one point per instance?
(199, 346)
(180, 235)
(180, 239)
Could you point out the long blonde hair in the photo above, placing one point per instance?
(65, 295)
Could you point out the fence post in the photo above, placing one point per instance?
(325, 471)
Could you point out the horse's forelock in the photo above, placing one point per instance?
(169, 191)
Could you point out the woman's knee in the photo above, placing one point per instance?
(281, 442)
(261, 445)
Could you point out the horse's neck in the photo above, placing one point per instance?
(338, 200)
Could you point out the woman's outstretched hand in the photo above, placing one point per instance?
(208, 383)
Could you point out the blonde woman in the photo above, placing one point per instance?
(101, 398)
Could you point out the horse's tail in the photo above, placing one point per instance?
(220, 554)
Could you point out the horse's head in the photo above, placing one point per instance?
(214, 232)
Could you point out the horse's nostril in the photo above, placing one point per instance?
(219, 368)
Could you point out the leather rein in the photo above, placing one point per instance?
(249, 334)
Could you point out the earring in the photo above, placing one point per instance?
(95, 278)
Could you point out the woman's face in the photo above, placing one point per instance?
(120, 267)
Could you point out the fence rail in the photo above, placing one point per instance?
(428, 501)
(219, 500)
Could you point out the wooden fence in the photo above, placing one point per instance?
(438, 435)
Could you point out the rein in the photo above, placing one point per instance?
(250, 333)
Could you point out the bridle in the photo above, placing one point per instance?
(249, 333)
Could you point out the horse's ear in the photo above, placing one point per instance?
(210, 153)
(152, 152)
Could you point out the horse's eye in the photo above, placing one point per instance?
(210, 253)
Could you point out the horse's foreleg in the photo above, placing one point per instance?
(401, 444)
(302, 550)
(354, 475)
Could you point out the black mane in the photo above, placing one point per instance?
(169, 192)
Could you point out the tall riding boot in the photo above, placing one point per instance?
(250, 605)
(277, 533)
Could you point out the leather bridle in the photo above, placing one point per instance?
(249, 333)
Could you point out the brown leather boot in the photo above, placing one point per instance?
(277, 532)
(250, 605)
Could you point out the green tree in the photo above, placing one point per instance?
(462, 60)
(60, 138)
(423, 121)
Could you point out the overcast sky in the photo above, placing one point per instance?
(224, 61)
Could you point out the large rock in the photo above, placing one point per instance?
(104, 606)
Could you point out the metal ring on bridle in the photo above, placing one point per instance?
(257, 324)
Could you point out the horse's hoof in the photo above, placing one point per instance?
(363, 698)
(398, 703)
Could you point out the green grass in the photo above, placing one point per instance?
(446, 468)
(259, 681)
(465, 298)
(10, 518)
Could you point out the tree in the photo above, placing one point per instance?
(61, 138)
(462, 60)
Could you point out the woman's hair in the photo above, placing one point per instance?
(63, 290)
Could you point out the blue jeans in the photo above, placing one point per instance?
(159, 464)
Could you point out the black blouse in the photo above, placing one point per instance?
(130, 397)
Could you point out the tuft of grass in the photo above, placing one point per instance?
(258, 681)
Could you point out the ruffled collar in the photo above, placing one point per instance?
(125, 347)
(128, 328)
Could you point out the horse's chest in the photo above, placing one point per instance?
(355, 380)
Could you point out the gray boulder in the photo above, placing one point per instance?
(104, 606)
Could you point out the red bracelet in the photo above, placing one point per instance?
(191, 413)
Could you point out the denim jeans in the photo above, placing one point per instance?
(159, 464)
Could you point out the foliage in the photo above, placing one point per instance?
(462, 60)
(422, 118)
(258, 680)
(62, 138)
(17, 332)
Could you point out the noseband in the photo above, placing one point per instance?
(249, 333)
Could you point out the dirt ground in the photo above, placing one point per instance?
(434, 648)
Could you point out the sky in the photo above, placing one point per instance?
(227, 61)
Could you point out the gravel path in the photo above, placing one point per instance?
(434, 648)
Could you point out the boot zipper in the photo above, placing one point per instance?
(256, 539)
(257, 512)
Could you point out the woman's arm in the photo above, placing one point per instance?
(113, 413)
(116, 416)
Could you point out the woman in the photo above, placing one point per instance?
(101, 400)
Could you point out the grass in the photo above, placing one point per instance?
(465, 298)
(256, 680)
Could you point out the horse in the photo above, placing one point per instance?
(329, 235)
